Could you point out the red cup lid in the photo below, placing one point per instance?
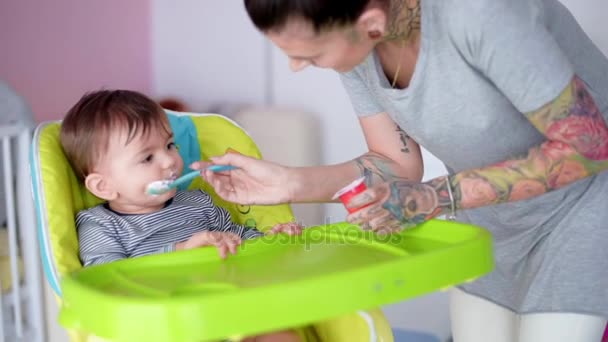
(349, 187)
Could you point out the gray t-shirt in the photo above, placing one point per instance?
(482, 63)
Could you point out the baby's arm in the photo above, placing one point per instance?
(225, 224)
(97, 245)
(290, 228)
(225, 242)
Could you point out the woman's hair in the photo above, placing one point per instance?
(322, 14)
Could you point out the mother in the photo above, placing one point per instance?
(509, 94)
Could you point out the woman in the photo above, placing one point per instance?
(509, 94)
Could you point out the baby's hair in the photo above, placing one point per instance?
(86, 128)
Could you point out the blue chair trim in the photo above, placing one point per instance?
(43, 239)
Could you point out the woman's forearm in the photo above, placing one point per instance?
(548, 167)
(319, 184)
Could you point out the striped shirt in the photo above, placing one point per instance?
(105, 235)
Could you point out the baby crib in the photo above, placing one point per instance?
(21, 303)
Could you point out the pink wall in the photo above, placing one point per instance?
(52, 52)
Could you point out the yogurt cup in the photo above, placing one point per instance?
(346, 193)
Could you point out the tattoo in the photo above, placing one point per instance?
(575, 119)
(401, 204)
(412, 203)
(404, 20)
(440, 185)
(576, 147)
(375, 168)
(374, 211)
(404, 138)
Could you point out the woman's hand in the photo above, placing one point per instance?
(392, 206)
(224, 241)
(253, 182)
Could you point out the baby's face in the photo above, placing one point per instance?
(131, 167)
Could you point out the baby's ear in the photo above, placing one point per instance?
(100, 187)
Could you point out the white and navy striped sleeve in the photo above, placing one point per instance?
(97, 243)
(225, 224)
(221, 219)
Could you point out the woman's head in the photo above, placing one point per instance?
(270, 15)
(328, 34)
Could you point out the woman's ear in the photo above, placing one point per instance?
(372, 23)
(100, 187)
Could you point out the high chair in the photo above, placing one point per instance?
(59, 196)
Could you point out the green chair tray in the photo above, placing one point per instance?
(273, 283)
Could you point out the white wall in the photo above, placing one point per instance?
(207, 52)
(591, 15)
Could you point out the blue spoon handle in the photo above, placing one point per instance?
(219, 168)
(184, 179)
(193, 174)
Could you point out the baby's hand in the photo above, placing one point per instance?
(224, 241)
(290, 228)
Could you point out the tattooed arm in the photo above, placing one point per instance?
(392, 155)
(576, 147)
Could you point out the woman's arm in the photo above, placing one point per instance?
(392, 155)
(576, 147)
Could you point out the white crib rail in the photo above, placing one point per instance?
(21, 221)
(2, 333)
(29, 237)
(13, 248)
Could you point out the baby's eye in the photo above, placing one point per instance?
(147, 159)
(171, 146)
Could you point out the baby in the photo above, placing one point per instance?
(118, 142)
